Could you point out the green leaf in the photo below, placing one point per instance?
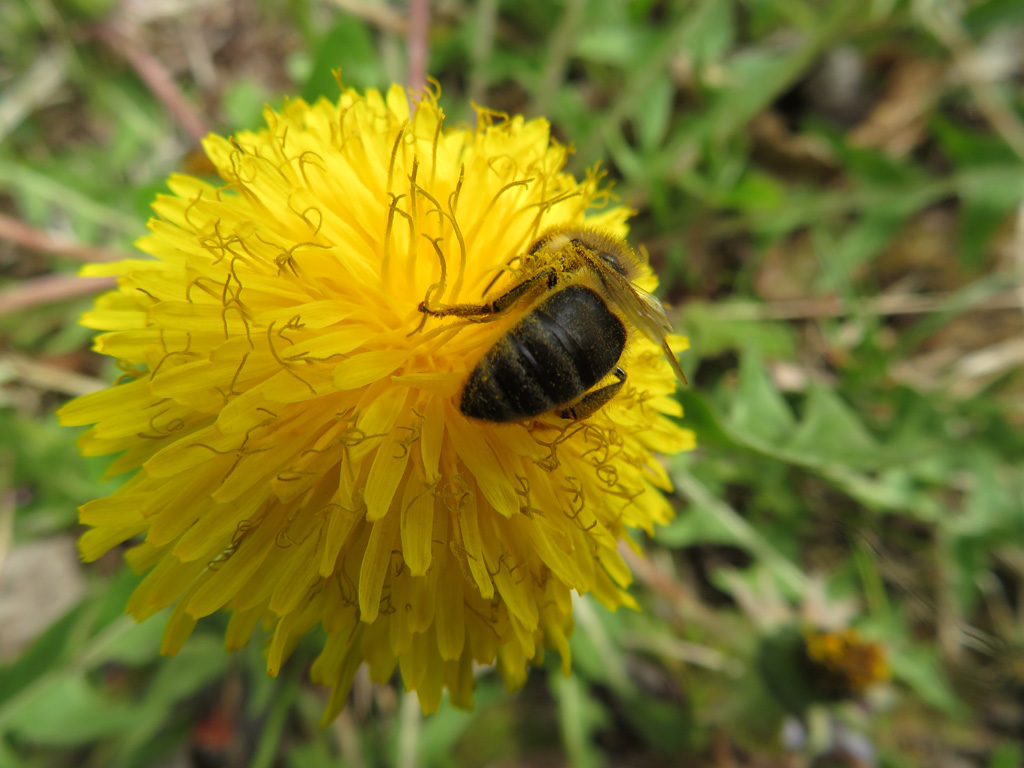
(349, 47)
(848, 252)
(982, 18)
(919, 669)
(713, 331)
(67, 711)
(610, 44)
(43, 655)
(985, 208)
(1007, 756)
(488, 725)
(139, 645)
(734, 528)
(702, 418)
(9, 759)
(314, 754)
(758, 410)
(579, 717)
(830, 431)
(985, 204)
(697, 524)
(779, 664)
(268, 746)
(992, 509)
(39, 445)
(755, 191)
(653, 121)
(596, 651)
(243, 103)
(711, 35)
(200, 662)
(666, 725)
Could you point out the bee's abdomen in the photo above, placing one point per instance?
(568, 343)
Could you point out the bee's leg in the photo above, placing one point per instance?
(594, 400)
(542, 281)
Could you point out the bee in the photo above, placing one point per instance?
(583, 303)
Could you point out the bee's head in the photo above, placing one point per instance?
(613, 251)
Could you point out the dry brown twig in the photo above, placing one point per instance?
(6, 508)
(1018, 253)
(33, 239)
(50, 378)
(48, 289)
(417, 45)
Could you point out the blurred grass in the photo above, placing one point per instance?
(830, 191)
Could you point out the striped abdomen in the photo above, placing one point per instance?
(568, 343)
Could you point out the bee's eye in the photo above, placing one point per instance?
(613, 261)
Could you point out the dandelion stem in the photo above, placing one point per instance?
(408, 731)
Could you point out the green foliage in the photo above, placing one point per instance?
(841, 255)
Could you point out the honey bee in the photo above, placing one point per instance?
(578, 284)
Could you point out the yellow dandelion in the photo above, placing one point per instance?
(844, 664)
(292, 418)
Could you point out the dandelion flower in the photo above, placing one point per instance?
(842, 663)
(297, 452)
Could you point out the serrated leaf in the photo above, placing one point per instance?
(990, 503)
(703, 419)
(890, 492)
(788, 577)
(859, 244)
(830, 431)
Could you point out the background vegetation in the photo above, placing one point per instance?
(831, 191)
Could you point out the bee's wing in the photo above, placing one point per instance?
(644, 311)
(641, 308)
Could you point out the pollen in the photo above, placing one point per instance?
(289, 424)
